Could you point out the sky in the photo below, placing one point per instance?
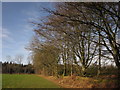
(16, 28)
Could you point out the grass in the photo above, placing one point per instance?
(26, 81)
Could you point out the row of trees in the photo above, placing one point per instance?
(77, 34)
(16, 68)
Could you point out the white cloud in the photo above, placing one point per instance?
(27, 28)
(5, 35)
(32, 14)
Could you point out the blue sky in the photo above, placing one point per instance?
(16, 29)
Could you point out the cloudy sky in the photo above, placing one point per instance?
(16, 29)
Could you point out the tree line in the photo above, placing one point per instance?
(13, 68)
(78, 35)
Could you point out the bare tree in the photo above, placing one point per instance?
(19, 58)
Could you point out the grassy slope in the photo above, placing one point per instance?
(25, 81)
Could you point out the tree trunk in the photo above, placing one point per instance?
(83, 71)
(64, 72)
(71, 69)
(116, 59)
(119, 77)
(118, 67)
(99, 66)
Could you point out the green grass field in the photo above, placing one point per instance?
(25, 81)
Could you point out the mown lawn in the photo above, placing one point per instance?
(26, 81)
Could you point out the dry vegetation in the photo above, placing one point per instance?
(84, 82)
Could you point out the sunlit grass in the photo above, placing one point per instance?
(25, 81)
